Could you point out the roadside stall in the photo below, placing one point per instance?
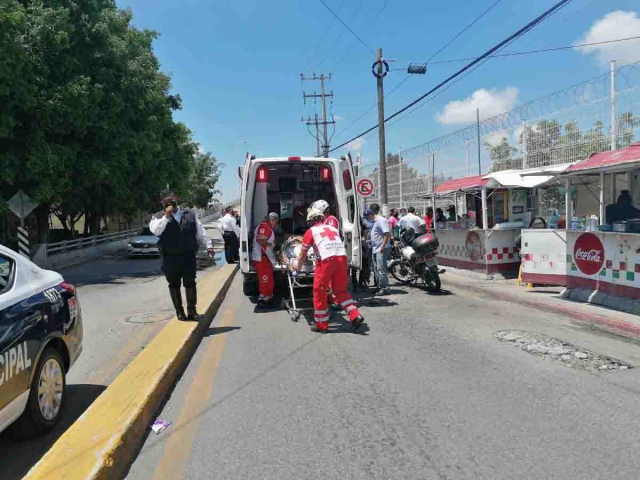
(487, 214)
(597, 246)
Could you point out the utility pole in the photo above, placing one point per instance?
(323, 98)
(314, 121)
(478, 127)
(380, 74)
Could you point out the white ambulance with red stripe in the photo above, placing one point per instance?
(288, 186)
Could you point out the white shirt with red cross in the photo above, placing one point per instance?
(326, 241)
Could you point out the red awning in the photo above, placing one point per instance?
(466, 183)
(608, 160)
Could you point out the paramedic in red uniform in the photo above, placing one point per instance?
(264, 259)
(329, 219)
(330, 268)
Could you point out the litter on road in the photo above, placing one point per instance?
(159, 425)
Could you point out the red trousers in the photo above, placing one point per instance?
(332, 271)
(264, 269)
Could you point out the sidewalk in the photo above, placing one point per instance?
(547, 299)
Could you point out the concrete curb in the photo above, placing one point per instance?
(613, 325)
(101, 444)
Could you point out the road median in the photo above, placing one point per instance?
(102, 442)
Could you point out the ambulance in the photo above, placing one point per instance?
(288, 186)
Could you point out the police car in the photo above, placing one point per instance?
(40, 339)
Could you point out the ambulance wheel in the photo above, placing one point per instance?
(46, 397)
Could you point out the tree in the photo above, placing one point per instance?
(502, 156)
(87, 120)
(203, 181)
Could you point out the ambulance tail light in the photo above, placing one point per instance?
(68, 287)
(325, 173)
(294, 159)
(262, 175)
(346, 180)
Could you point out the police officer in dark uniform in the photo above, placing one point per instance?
(180, 232)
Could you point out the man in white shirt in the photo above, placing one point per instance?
(180, 232)
(411, 220)
(228, 226)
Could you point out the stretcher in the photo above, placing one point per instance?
(300, 296)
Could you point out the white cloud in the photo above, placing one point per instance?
(490, 102)
(337, 118)
(495, 138)
(356, 145)
(614, 25)
(201, 150)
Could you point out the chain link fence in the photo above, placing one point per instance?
(564, 127)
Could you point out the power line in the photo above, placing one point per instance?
(322, 37)
(464, 30)
(339, 36)
(530, 52)
(488, 53)
(375, 17)
(432, 56)
(373, 106)
(347, 27)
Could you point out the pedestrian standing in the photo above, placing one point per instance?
(367, 256)
(411, 220)
(381, 249)
(428, 219)
(264, 259)
(394, 223)
(230, 234)
(180, 231)
(236, 215)
(330, 269)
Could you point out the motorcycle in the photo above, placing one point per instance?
(418, 262)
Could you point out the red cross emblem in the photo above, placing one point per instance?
(328, 233)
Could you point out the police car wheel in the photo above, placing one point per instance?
(46, 398)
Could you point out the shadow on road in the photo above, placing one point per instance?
(211, 331)
(17, 457)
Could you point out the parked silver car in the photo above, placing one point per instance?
(145, 243)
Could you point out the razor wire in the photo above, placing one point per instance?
(563, 127)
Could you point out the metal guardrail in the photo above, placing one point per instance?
(80, 243)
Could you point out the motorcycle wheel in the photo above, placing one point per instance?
(401, 271)
(432, 281)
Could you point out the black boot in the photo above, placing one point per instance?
(176, 298)
(192, 300)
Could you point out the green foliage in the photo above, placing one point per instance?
(202, 183)
(87, 119)
(502, 156)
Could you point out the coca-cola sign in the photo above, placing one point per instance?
(588, 253)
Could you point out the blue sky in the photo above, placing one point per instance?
(237, 64)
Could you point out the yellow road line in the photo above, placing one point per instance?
(178, 446)
(102, 442)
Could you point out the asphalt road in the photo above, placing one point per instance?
(426, 393)
(124, 303)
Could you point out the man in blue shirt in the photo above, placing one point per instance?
(380, 248)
